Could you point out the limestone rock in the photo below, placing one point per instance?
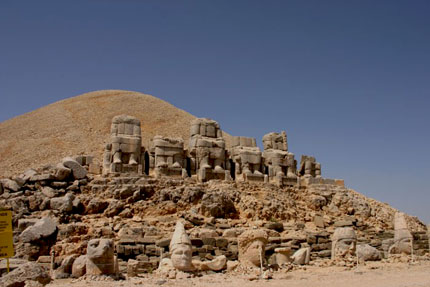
(62, 172)
(65, 269)
(218, 204)
(63, 204)
(302, 256)
(30, 271)
(365, 252)
(217, 264)
(96, 206)
(78, 171)
(79, 266)
(10, 184)
(44, 228)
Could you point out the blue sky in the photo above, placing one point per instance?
(348, 80)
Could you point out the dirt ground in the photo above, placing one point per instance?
(374, 274)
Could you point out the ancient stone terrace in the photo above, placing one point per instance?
(207, 156)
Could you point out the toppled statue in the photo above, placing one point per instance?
(252, 244)
(247, 159)
(344, 242)
(123, 153)
(403, 238)
(309, 167)
(100, 257)
(207, 150)
(180, 249)
(280, 163)
(169, 157)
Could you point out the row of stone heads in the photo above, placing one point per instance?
(251, 246)
(206, 157)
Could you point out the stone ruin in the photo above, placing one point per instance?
(246, 157)
(124, 152)
(344, 243)
(93, 211)
(280, 164)
(207, 150)
(168, 156)
(403, 239)
(207, 156)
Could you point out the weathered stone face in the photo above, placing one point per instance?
(403, 238)
(100, 257)
(344, 243)
(181, 257)
(123, 153)
(252, 244)
(180, 248)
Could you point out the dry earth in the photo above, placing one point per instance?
(81, 125)
(374, 274)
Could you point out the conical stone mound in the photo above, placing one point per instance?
(81, 125)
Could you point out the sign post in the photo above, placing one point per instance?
(6, 236)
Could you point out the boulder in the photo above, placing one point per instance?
(301, 256)
(114, 208)
(218, 205)
(365, 252)
(44, 228)
(30, 271)
(49, 191)
(63, 204)
(78, 171)
(65, 269)
(79, 266)
(62, 172)
(10, 184)
(96, 206)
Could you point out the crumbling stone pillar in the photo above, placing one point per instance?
(280, 164)
(123, 153)
(246, 157)
(207, 150)
(169, 156)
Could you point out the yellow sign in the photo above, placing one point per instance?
(6, 235)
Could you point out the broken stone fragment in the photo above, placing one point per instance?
(62, 172)
(365, 252)
(79, 266)
(44, 228)
(30, 271)
(10, 184)
(78, 170)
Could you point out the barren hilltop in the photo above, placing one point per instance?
(81, 125)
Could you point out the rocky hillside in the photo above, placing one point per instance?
(81, 125)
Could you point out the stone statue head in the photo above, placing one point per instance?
(344, 242)
(100, 249)
(100, 257)
(180, 249)
(252, 244)
(403, 238)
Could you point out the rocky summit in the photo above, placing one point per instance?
(181, 204)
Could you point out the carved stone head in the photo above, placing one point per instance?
(100, 257)
(252, 244)
(344, 242)
(180, 249)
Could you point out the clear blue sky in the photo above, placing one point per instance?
(348, 80)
